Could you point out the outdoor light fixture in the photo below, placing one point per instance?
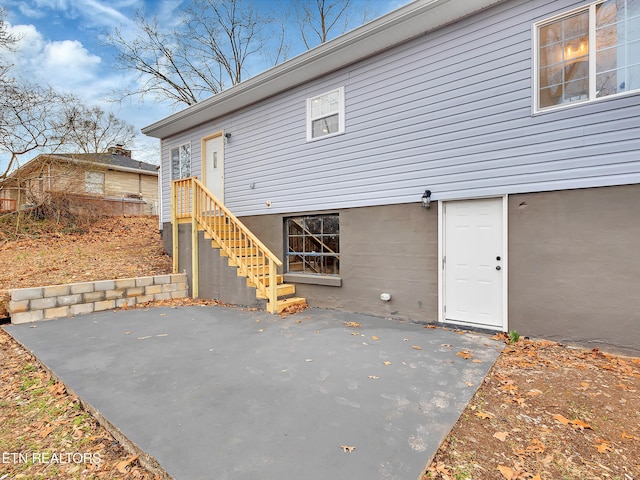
(426, 199)
(227, 137)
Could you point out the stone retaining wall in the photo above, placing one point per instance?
(55, 301)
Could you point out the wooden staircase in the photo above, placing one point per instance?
(193, 203)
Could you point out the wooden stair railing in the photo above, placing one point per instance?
(192, 201)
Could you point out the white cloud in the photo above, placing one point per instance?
(70, 59)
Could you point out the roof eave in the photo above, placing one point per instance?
(405, 23)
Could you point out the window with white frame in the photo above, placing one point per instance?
(325, 114)
(94, 182)
(180, 161)
(588, 53)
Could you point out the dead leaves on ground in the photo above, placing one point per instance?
(37, 414)
(546, 411)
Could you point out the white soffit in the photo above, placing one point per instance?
(409, 21)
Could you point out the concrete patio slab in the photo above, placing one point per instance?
(226, 393)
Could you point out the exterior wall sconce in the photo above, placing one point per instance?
(227, 137)
(426, 199)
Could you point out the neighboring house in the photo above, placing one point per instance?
(520, 118)
(110, 183)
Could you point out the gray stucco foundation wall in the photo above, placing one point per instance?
(386, 249)
(217, 280)
(574, 266)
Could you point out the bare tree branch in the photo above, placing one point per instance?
(206, 53)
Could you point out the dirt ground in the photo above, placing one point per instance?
(545, 411)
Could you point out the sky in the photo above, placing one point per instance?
(61, 44)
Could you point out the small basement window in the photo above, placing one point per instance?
(313, 245)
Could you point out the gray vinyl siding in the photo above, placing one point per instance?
(450, 111)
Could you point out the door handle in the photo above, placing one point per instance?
(498, 267)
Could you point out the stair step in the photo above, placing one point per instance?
(288, 302)
(231, 243)
(279, 279)
(251, 261)
(283, 289)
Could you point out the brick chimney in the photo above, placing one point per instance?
(119, 150)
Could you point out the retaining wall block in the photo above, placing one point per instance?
(42, 303)
(134, 292)
(144, 281)
(104, 305)
(56, 290)
(57, 312)
(152, 289)
(81, 309)
(112, 294)
(26, 317)
(70, 299)
(85, 287)
(125, 283)
(27, 293)
(93, 296)
(18, 306)
(104, 285)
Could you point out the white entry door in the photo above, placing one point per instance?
(474, 263)
(214, 166)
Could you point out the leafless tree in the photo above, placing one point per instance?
(204, 54)
(29, 120)
(321, 20)
(92, 130)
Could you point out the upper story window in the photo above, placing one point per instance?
(180, 161)
(588, 53)
(325, 114)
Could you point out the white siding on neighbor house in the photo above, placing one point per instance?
(450, 111)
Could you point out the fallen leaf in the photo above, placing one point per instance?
(355, 333)
(507, 472)
(143, 338)
(536, 477)
(352, 324)
(561, 419)
(534, 392)
(464, 354)
(604, 447)
(373, 377)
(387, 363)
(46, 432)
(163, 314)
(347, 448)
(502, 436)
(483, 415)
(468, 384)
(580, 424)
(122, 466)
(416, 347)
(475, 360)
(374, 338)
(430, 326)
(626, 435)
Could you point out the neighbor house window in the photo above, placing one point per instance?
(181, 161)
(94, 182)
(313, 245)
(588, 53)
(325, 114)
